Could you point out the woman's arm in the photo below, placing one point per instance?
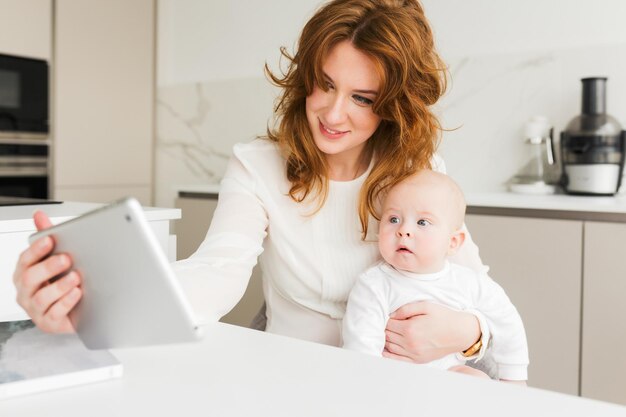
(215, 277)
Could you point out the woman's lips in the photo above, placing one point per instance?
(330, 133)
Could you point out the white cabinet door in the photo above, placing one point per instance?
(25, 28)
(103, 99)
(604, 312)
(538, 263)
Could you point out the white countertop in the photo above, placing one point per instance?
(242, 372)
(562, 202)
(19, 218)
(503, 199)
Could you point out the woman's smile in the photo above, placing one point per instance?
(331, 133)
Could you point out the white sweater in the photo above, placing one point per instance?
(382, 289)
(309, 262)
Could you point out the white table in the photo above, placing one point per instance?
(240, 372)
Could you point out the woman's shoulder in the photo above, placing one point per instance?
(257, 160)
(259, 153)
(255, 147)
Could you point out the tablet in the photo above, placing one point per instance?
(131, 296)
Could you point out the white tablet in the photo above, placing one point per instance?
(130, 294)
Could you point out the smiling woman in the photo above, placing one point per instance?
(354, 118)
(340, 112)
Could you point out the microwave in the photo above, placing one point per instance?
(23, 95)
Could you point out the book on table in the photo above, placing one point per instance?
(33, 361)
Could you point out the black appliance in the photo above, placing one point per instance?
(24, 169)
(23, 95)
(592, 145)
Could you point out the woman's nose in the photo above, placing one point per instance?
(337, 111)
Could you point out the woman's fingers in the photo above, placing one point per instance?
(393, 337)
(44, 299)
(42, 221)
(390, 350)
(40, 273)
(409, 310)
(56, 319)
(33, 254)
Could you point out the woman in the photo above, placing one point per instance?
(353, 119)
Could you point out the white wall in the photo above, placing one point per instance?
(508, 60)
(477, 27)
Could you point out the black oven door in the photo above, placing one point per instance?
(24, 186)
(23, 94)
(24, 169)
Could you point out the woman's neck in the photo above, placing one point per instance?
(347, 169)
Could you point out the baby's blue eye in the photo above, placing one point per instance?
(423, 222)
(394, 220)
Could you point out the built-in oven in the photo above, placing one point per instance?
(24, 168)
(23, 95)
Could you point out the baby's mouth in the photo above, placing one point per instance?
(403, 249)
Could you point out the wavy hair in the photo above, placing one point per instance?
(397, 37)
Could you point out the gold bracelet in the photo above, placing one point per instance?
(474, 348)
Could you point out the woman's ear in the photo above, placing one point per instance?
(456, 240)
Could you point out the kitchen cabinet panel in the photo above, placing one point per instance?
(538, 263)
(603, 337)
(190, 232)
(103, 94)
(25, 28)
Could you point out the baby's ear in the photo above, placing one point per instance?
(456, 240)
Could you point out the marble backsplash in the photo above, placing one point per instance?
(197, 126)
(489, 99)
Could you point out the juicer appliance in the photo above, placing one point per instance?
(592, 145)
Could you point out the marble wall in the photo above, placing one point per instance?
(197, 126)
(492, 96)
(489, 99)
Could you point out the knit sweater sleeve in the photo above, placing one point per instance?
(215, 277)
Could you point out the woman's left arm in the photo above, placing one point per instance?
(423, 331)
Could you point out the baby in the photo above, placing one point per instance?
(421, 226)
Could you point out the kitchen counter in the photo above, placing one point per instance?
(20, 218)
(241, 372)
(556, 206)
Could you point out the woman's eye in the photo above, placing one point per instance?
(362, 100)
(329, 85)
(423, 222)
(394, 220)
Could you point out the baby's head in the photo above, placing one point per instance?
(421, 222)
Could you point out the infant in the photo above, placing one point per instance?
(421, 226)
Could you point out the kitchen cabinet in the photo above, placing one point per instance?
(103, 99)
(25, 28)
(538, 263)
(190, 232)
(603, 373)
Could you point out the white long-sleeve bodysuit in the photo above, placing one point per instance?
(382, 289)
(309, 261)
